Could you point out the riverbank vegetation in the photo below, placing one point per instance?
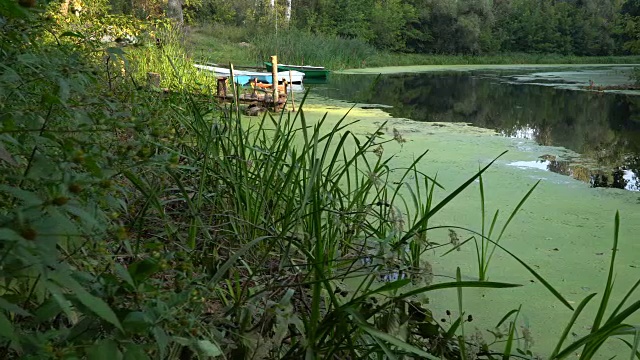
(224, 44)
(140, 221)
(359, 33)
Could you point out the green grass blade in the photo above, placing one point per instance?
(635, 354)
(481, 253)
(384, 348)
(636, 344)
(454, 327)
(463, 350)
(624, 300)
(529, 268)
(595, 339)
(570, 324)
(220, 273)
(513, 214)
(418, 225)
(609, 287)
(450, 285)
(506, 317)
(512, 329)
(396, 342)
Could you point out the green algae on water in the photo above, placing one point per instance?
(564, 230)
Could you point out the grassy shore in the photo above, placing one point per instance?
(223, 44)
(140, 222)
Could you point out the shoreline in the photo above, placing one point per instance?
(437, 68)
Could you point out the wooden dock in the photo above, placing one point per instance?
(254, 96)
(260, 96)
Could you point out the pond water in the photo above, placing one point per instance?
(582, 146)
(602, 129)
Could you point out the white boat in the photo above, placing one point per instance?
(243, 77)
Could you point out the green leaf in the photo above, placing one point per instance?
(181, 340)
(124, 274)
(6, 328)
(4, 304)
(8, 234)
(56, 294)
(63, 90)
(95, 304)
(6, 156)
(87, 219)
(544, 282)
(382, 289)
(162, 340)
(506, 317)
(207, 348)
(136, 322)
(48, 310)
(634, 348)
(390, 355)
(28, 197)
(135, 352)
(104, 350)
(142, 269)
(512, 329)
(13, 9)
(397, 342)
(115, 51)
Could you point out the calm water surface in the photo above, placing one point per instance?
(602, 129)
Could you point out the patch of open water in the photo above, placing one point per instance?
(544, 106)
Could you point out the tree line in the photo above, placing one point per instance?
(579, 27)
(470, 27)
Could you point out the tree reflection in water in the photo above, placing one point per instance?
(603, 127)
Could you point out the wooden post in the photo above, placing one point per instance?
(274, 80)
(236, 93)
(293, 105)
(222, 88)
(255, 87)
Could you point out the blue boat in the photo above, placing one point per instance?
(243, 77)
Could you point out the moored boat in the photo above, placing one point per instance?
(316, 72)
(243, 77)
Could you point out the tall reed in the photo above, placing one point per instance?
(300, 47)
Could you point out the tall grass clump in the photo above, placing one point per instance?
(161, 51)
(485, 248)
(297, 47)
(221, 44)
(312, 215)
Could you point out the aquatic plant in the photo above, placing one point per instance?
(485, 249)
(613, 326)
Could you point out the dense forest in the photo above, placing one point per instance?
(576, 27)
